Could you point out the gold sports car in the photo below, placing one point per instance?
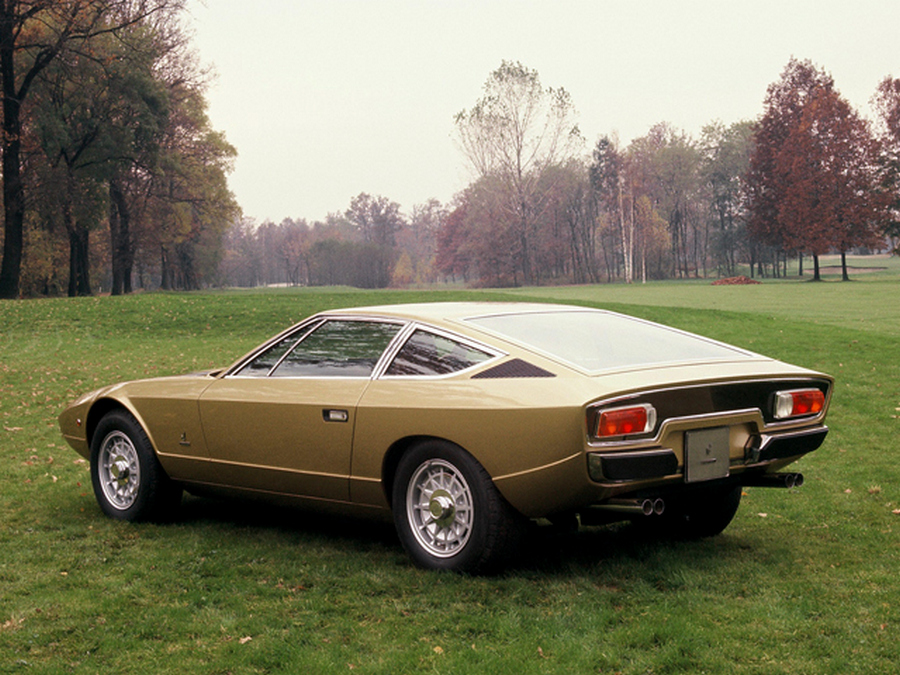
(462, 421)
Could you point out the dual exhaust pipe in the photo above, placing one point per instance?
(635, 507)
(656, 507)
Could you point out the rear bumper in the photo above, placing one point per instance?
(643, 465)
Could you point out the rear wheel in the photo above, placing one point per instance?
(128, 481)
(448, 513)
(704, 513)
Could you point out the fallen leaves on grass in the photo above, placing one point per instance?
(736, 281)
(11, 624)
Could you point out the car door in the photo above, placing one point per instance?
(284, 422)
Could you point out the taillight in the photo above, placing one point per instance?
(638, 419)
(798, 403)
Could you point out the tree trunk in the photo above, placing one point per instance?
(79, 262)
(844, 275)
(816, 276)
(626, 240)
(13, 190)
(164, 281)
(121, 247)
(79, 251)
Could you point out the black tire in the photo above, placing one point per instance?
(448, 513)
(129, 482)
(704, 513)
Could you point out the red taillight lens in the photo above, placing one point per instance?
(623, 421)
(798, 403)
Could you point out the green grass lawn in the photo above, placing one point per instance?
(804, 581)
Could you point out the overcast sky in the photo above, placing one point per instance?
(325, 99)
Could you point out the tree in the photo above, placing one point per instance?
(725, 159)
(96, 112)
(377, 220)
(515, 131)
(452, 257)
(33, 34)
(887, 107)
(574, 206)
(831, 201)
(419, 238)
(765, 182)
(676, 175)
(812, 173)
(664, 167)
(190, 204)
(607, 177)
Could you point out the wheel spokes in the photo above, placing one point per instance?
(439, 504)
(119, 470)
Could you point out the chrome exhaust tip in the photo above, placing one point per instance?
(776, 480)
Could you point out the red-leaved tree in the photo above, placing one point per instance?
(812, 178)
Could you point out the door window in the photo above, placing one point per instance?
(338, 349)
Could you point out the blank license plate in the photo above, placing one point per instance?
(707, 454)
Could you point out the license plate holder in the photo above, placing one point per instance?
(707, 454)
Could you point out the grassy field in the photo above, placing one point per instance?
(804, 581)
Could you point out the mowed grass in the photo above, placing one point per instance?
(803, 581)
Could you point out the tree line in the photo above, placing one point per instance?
(120, 145)
(810, 176)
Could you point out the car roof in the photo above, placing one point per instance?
(455, 311)
(603, 342)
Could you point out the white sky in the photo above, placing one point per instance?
(325, 99)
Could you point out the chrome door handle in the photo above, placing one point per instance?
(335, 415)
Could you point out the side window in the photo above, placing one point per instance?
(339, 349)
(262, 364)
(428, 354)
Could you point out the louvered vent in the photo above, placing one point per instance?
(511, 369)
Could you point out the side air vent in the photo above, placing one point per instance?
(513, 368)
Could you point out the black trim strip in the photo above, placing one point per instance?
(791, 444)
(632, 466)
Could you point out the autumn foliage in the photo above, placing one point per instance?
(812, 180)
(125, 180)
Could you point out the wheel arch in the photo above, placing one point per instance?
(103, 407)
(395, 453)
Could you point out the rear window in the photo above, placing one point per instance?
(598, 340)
(426, 353)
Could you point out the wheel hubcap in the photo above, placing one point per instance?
(119, 470)
(442, 507)
(439, 508)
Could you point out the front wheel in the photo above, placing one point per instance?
(128, 481)
(448, 513)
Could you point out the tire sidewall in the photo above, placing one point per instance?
(149, 466)
(709, 512)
